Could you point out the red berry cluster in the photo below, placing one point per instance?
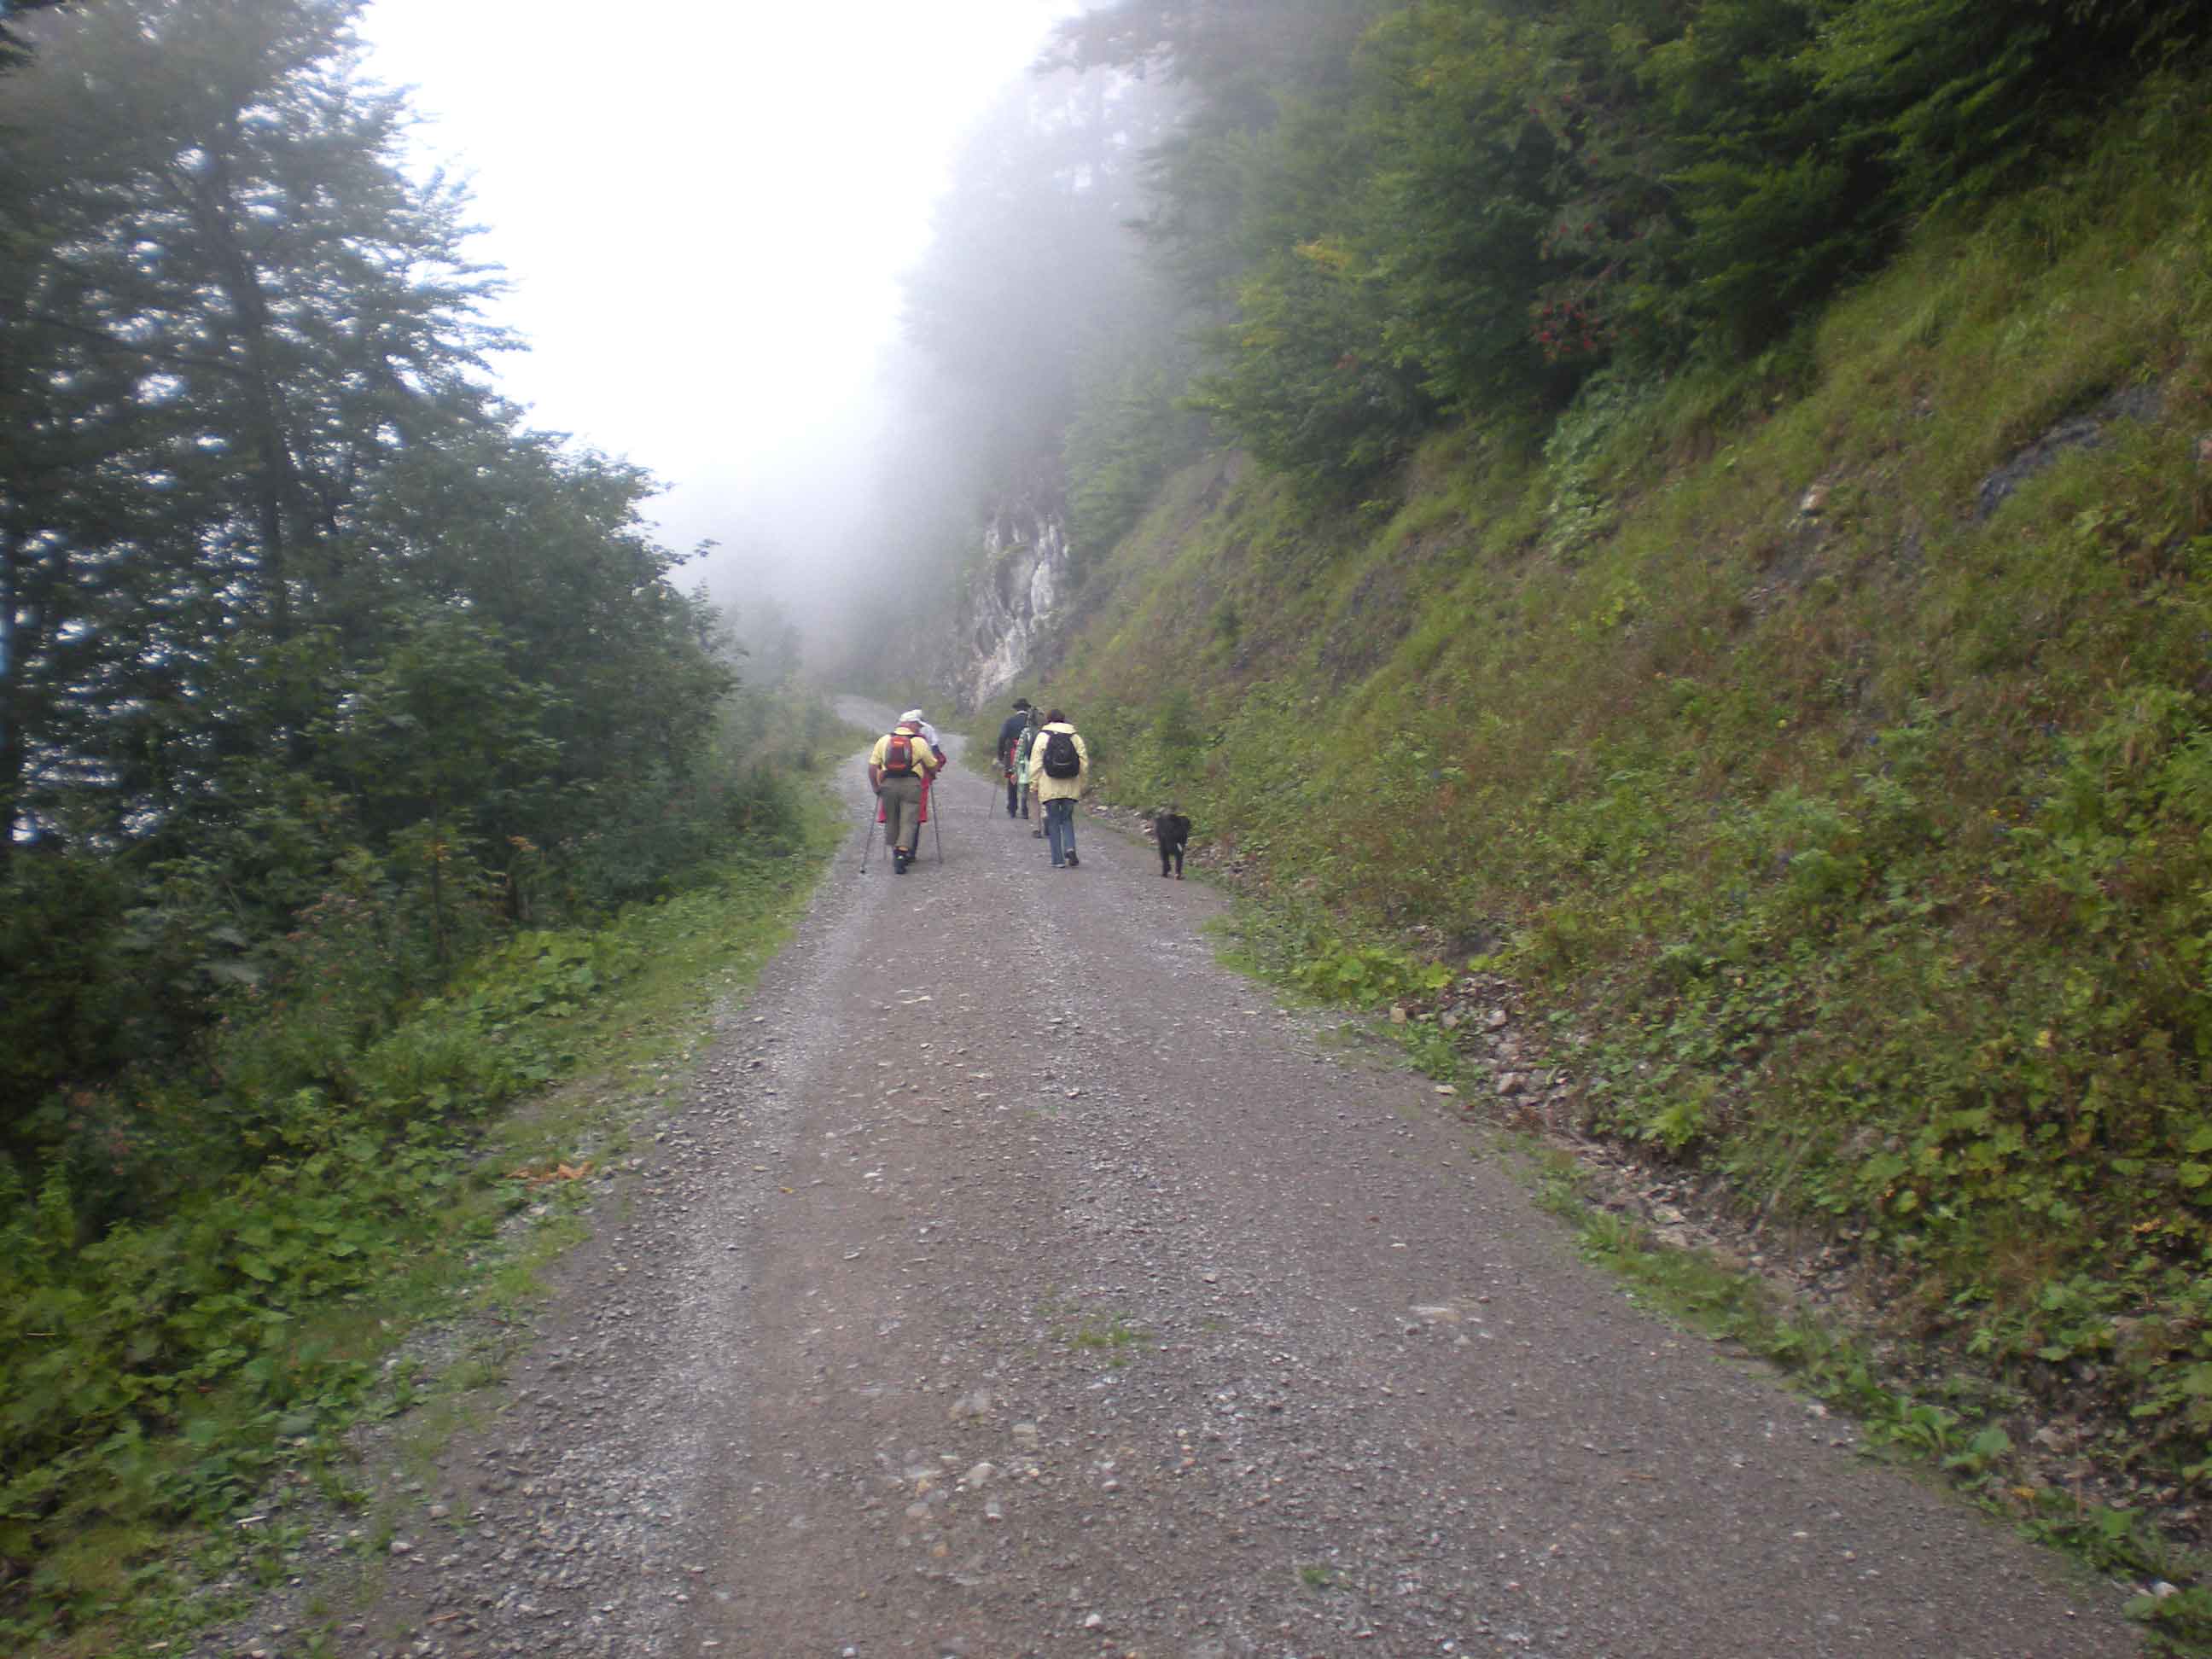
(1571, 328)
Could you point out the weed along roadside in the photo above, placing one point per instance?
(188, 1400)
(2062, 1467)
(2067, 1472)
(1810, 753)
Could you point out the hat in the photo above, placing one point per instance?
(1021, 702)
(910, 714)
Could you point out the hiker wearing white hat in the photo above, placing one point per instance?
(899, 769)
(912, 720)
(913, 717)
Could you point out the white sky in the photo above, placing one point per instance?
(703, 207)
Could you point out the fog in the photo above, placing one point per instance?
(705, 213)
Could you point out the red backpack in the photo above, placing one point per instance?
(898, 756)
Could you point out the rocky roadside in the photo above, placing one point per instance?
(2068, 1433)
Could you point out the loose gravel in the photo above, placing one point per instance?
(1014, 1280)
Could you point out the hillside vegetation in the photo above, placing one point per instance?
(359, 754)
(1820, 739)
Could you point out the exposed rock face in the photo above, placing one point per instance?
(1010, 603)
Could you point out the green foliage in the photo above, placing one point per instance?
(295, 609)
(1866, 841)
(1176, 735)
(1304, 381)
(1330, 968)
(156, 1371)
(1125, 438)
(1366, 976)
(1430, 209)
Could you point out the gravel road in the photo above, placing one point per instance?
(1014, 1280)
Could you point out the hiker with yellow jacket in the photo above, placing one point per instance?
(901, 762)
(1058, 762)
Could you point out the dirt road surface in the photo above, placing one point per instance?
(1015, 1280)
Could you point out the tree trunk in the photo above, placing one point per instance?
(276, 485)
(11, 724)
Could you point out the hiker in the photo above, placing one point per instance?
(1059, 761)
(1024, 745)
(928, 736)
(899, 766)
(1011, 731)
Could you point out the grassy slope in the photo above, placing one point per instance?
(1867, 844)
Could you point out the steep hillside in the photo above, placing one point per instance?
(1821, 747)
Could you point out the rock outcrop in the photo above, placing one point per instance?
(1009, 607)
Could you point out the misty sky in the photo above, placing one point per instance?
(703, 210)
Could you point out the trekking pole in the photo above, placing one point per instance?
(868, 835)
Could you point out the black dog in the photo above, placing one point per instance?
(1172, 831)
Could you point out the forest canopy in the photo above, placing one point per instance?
(1389, 215)
(291, 604)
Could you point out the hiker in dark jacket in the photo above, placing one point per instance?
(1011, 733)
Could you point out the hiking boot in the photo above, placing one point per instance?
(1072, 860)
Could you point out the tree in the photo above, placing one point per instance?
(237, 311)
(283, 586)
(14, 49)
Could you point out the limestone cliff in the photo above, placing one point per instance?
(1008, 610)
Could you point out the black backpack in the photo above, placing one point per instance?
(1060, 760)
